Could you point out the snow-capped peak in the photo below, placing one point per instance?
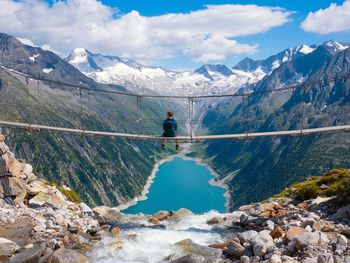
(78, 55)
(334, 46)
(306, 49)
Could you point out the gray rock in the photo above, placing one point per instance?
(190, 258)
(7, 247)
(325, 258)
(312, 238)
(259, 249)
(275, 259)
(270, 225)
(287, 259)
(66, 256)
(189, 246)
(85, 209)
(244, 259)
(342, 213)
(234, 250)
(30, 255)
(342, 243)
(247, 235)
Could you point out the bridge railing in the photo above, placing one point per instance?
(82, 107)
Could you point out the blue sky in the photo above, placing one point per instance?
(146, 30)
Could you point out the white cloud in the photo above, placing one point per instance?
(203, 35)
(335, 18)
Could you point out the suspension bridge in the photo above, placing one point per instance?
(191, 137)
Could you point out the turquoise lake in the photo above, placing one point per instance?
(179, 184)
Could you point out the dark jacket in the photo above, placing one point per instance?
(169, 127)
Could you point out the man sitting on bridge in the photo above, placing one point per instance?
(170, 128)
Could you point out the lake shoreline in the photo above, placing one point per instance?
(183, 156)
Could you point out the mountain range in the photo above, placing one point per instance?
(102, 170)
(106, 171)
(275, 163)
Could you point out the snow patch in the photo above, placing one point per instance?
(32, 58)
(306, 49)
(48, 70)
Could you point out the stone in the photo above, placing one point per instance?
(234, 249)
(275, 259)
(312, 239)
(154, 221)
(66, 256)
(47, 199)
(259, 250)
(86, 209)
(294, 231)
(31, 255)
(247, 235)
(278, 232)
(270, 225)
(287, 259)
(215, 220)
(181, 213)
(342, 213)
(244, 259)
(2, 138)
(7, 247)
(325, 258)
(189, 246)
(108, 214)
(73, 229)
(220, 245)
(36, 187)
(161, 215)
(342, 243)
(190, 258)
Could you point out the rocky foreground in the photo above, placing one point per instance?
(38, 223)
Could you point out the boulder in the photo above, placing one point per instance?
(275, 259)
(342, 213)
(342, 243)
(31, 255)
(66, 256)
(247, 235)
(215, 220)
(294, 231)
(161, 215)
(189, 246)
(190, 258)
(244, 259)
(154, 221)
(85, 209)
(181, 213)
(312, 239)
(234, 249)
(277, 232)
(36, 187)
(52, 199)
(107, 213)
(7, 247)
(261, 242)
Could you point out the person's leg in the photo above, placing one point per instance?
(163, 143)
(177, 144)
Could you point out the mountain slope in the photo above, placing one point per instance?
(275, 163)
(102, 170)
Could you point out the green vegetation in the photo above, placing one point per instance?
(334, 182)
(70, 194)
